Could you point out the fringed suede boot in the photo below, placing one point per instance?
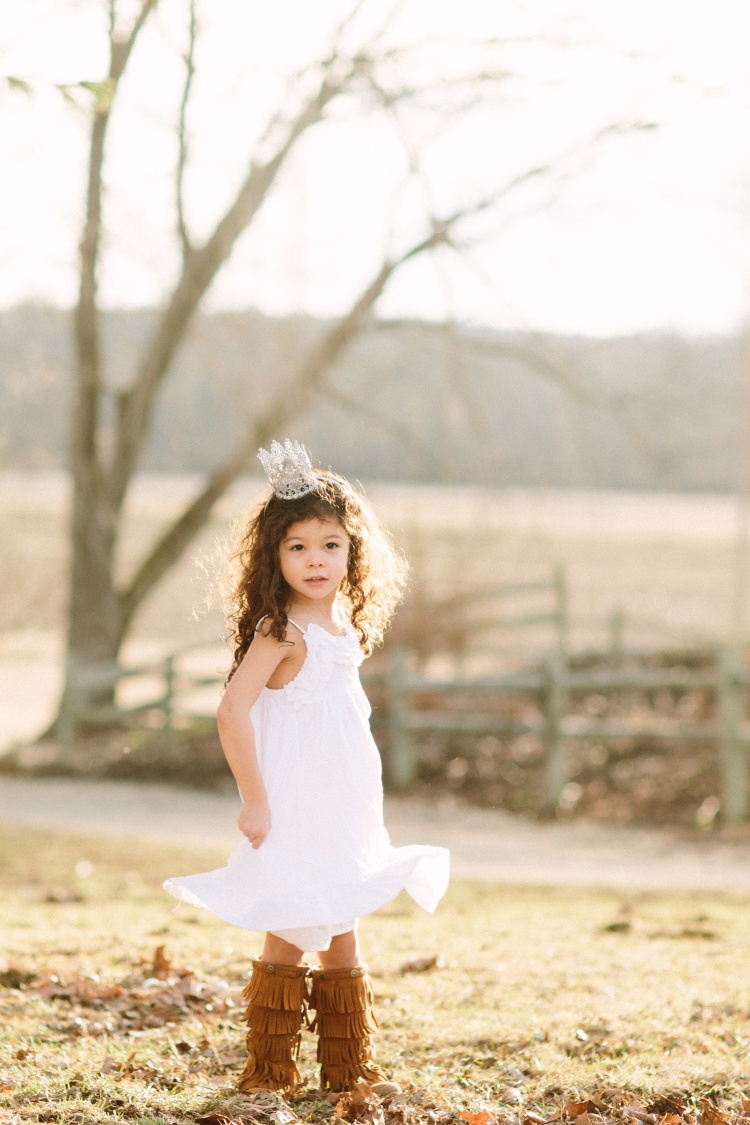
(345, 1022)
(276, 996)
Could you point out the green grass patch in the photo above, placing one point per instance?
(523, 998)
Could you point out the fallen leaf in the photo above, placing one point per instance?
(16, 978)
(711, 1115)
(161, 964)
(575, 1109)
(481, 1118)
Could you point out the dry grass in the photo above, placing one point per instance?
(549, 992)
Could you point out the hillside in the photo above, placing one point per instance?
(413, 401)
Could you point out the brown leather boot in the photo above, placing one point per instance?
(276, 997)
(345, 1022)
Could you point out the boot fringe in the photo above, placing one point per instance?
(268, 1021)
(342, 994)
(277, 986)
(345, 1077)
(338, 1052)
(276, 998)
(344, 1019)
(345, 1025)
(264, 1075)
(273, 1048)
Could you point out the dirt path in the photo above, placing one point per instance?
(488, 845)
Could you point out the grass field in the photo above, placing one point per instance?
(540, 999)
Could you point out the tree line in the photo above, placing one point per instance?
(651, 411)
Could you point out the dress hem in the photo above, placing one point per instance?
(423, 876)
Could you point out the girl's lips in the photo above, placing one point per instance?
(316, 581)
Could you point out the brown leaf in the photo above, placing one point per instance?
(13, 977)
(670, 1106)
(161, 964)
(711, 1115)
(484, 1117)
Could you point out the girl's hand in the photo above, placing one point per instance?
(254, 821)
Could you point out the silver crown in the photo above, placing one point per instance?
(289, 469)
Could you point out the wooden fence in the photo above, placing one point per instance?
(550, 685)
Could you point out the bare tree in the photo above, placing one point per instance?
(101, 610)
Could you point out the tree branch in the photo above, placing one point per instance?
(86, 321)
(182, 144)
(292, 401)
(177, 537)
(199, 270)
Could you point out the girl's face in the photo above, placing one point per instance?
(313, 555)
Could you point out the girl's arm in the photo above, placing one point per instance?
(238, 737)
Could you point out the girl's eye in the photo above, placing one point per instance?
(334, 545)
(297, 547)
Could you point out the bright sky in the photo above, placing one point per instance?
(648, 230)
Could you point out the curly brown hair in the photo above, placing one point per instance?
(375, 577)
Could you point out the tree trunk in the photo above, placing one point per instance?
(96, 625)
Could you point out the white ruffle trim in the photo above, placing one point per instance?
(324, 651)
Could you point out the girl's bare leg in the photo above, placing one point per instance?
(342, 953)
(279, 952)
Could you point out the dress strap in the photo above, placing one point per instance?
(265, 615)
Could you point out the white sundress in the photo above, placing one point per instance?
(327, 859)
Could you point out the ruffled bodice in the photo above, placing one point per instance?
(330, 667)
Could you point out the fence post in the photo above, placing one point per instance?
(168, 707)
(67, 720)
(553, 708)
(561, 609)
(401, 762)
(733, 758)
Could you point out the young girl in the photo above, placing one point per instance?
(318, 585)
